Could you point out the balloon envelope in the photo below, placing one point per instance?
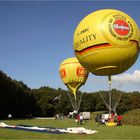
(73, 74)
(106, 42)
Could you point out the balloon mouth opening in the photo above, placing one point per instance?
(73, 86)
(106, 70)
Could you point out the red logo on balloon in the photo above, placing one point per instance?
(81, 72)
(62, 73)
(121, 27)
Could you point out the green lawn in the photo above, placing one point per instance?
(104, 132)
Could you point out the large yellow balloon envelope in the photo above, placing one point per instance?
(139, 40)
(106, 42)
(73, 74)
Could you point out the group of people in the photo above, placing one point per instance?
(113, 119)
(116, 119)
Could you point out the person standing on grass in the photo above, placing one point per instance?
(78, 118)
(81, 119)
(119, 120)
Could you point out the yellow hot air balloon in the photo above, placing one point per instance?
(139, 38)
(106, 42)
(73, 74)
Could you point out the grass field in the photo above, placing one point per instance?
(104, 132)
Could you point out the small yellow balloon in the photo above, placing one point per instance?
(73, 74)
(106, 42)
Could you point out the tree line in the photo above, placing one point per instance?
(18, 99)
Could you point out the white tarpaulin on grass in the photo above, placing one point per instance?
(74, 130)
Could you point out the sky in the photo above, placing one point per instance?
(36, 36)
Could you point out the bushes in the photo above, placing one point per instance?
(132, 117)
